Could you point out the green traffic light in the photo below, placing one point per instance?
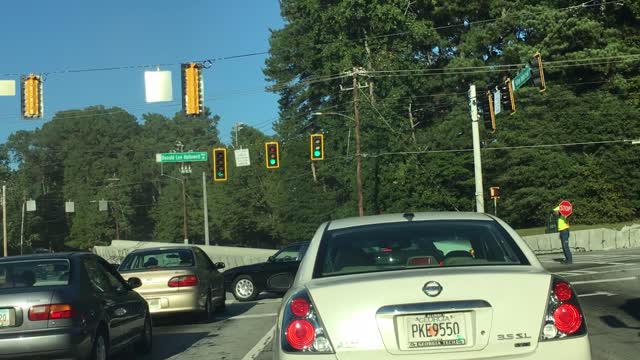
(220, 174)
(316, 153)
(272, 161)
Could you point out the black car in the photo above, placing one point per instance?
(69, 305)
(276, 275)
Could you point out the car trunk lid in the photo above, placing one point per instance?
(494, 311)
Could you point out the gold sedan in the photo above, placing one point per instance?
(176, 279)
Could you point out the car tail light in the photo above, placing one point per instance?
(50, 312)
(183, 281)
(302, 328)
(563, 317)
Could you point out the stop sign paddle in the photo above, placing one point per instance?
(565, 208)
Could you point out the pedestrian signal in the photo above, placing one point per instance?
(317, 147)
(220, 164)
(272, 155)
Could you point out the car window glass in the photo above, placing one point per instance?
(396, 246)
(203, 259)
(290, 253)
(34, 273)
(97, 276)
(157, 259)
(116, 284)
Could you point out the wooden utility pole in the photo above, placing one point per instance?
(356, 112)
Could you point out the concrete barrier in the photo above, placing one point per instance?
(587, 240)
(231, 256)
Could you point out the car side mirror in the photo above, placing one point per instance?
(220, 265)
(134, 282)
(272, 258)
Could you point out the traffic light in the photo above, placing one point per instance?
(31, 96)
(537, 72)
(219, 164)
(495, 192)
(316, 144)
(272, 155)
(485, 104)
(507, 100)
(192, 89)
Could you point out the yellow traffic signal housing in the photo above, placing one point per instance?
(537, 72)
(219, 164)
(31, 96)
(192, 89)
(316, 144)
(495, 192)
(507, 99)
(272, 155)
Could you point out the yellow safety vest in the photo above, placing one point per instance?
(563, 224)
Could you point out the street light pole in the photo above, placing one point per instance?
(184, 207)
(356, 120)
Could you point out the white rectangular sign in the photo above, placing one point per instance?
(242, 157)
(7, 88)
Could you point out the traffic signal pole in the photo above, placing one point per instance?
(477, 160)
(4, 220)
(206, 209)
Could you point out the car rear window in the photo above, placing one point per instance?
(34, 273)
(157, 259)
(415, 244)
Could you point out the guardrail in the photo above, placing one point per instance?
(587, 240)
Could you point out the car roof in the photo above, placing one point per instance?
(44, 256)
(405, 217)
(160, 248)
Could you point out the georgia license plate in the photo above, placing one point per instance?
(6, 318)
(154, 304)
(435, 330)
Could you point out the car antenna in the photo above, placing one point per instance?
(408, 216)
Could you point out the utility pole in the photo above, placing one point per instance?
(206, 209)
(184, 211)
(477, 160)
(356, 89)
(24, 203)
(4, 220)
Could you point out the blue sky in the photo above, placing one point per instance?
(48, 36)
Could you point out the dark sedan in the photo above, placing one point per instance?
(69, 305)
(276, 275)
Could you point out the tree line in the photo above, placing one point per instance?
(420, 58)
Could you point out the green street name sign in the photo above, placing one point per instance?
(182, 157)
(522, 78)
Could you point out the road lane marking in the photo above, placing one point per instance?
(573, 273)
(250, 316)
(603, 280)
(257, 348)
(597, 293)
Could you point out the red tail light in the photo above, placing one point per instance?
(564, 317)
(300, 334)
(183, 281)
(300, 307)
(302, 328)
(50, 312)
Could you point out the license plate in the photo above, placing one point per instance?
(435, 330)
(7, 317)
(154, 304)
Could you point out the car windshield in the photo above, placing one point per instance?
(416, 244)
(34, 273)
(157, 259)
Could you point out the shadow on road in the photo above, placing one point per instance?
(235, 309)
(615, 323)
(632, 307)
(166, 345)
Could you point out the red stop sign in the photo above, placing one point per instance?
(565, 208)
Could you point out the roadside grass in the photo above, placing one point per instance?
(613, 226)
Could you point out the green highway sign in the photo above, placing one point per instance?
(182, 157)
(522, 78)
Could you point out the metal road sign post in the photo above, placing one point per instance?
(182, 157)
(522, 78)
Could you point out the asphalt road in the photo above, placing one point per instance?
(608, 284)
